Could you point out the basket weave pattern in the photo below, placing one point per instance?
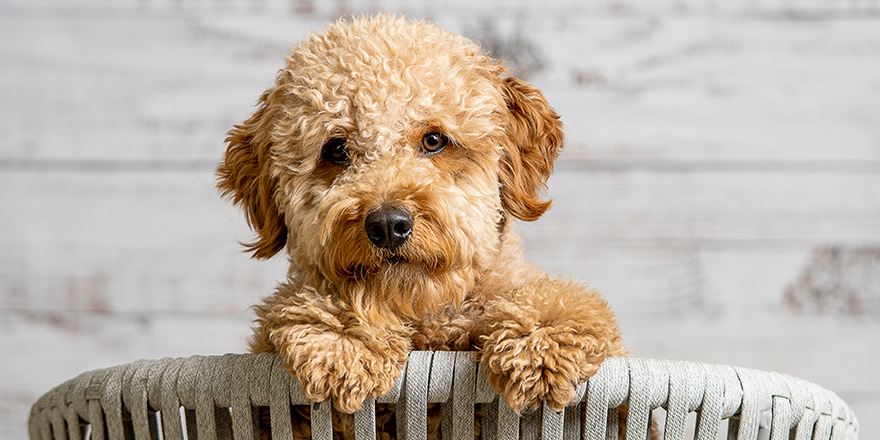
(216, 397)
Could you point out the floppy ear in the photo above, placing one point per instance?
(244, 176)
(534, 140)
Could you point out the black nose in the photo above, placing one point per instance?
(389, 226)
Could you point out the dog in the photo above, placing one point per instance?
(390, 160)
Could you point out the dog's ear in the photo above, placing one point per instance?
(534, 141)
(244, 176)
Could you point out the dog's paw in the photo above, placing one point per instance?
(542, 366)
(342, 371)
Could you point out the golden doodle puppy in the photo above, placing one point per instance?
(389, 160)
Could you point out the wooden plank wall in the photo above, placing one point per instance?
(720, 184)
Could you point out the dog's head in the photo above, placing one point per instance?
(387, 157)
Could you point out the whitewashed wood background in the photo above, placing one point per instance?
(720, 184)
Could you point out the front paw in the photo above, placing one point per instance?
(544, 365)
(342, 370)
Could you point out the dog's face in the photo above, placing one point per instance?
(387, 158)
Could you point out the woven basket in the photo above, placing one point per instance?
(216, 397)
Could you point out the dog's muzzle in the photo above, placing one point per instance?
(389, 226)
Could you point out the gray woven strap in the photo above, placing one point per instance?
(216, 397)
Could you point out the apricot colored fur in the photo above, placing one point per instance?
(350, 311)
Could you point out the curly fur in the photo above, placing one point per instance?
(350, 310)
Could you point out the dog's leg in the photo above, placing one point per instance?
(544, 338)
(336, 353)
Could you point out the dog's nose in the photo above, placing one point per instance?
(389, 226)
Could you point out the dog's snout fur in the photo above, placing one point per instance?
(389, 226)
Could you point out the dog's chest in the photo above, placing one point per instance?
(452, 330)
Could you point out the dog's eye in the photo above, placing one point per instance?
(434, 142)
(335, 151)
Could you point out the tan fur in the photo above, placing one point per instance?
(350, 310)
